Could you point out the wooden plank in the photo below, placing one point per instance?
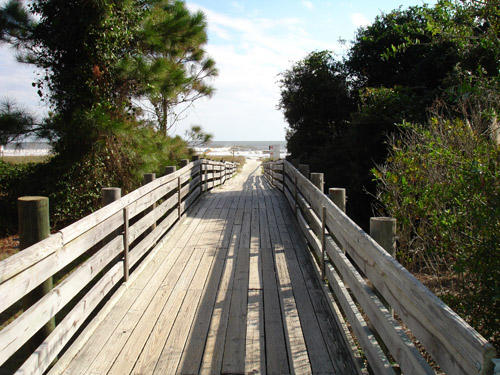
(153, 347)
(37, 315)
(297, 350)
(174, 345)
(335, 332)
(193, 352)
(276, 352)
(234, 348)
(40, 360)
(334, 340)
(26, 258)
(255, 359)
(214, 347)
(316, 347)
(215, 344)
(144, 343)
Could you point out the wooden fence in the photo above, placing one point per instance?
(96, 254)
(367, 281)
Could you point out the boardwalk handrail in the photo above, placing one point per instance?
(98, 244)
(359, 270)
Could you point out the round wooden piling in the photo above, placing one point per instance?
(34, 226)
(318, 179)
(147, 178)
(337, 195)
(170, 169)
(383, 231)
(110, 194)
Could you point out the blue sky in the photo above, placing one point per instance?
(251, 42)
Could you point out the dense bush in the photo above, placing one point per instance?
(73, 184)
(441, 182)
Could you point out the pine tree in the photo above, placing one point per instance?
(173, 65)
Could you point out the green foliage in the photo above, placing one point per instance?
(441, 184)
(398, 49)
(172, 64)
(74, 185)
(316, 102)
(196, 137)
(96, 57)
(14, 123)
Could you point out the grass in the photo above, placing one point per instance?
(25, 159)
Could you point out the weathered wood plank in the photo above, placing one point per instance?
(297, 350)
(174, 345)
(142, 350)
(25, 259)
(255, 359)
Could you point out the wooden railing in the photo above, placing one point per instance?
(367, 282)
(96, 254)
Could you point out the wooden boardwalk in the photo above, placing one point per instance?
(231, 290)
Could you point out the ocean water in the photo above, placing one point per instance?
(247, 145)
(26, 149)
(248, 149)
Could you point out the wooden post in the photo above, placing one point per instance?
(183, 162)
(304, 169)
(170, 169)
(179, 197)
(195, 157)
(147, 178)
(295, 162)
(271, 171)
(34, 226)
(383, 231)
(337, 195)
(323, 241)
(296, 193)
(201, 177)
(125, 245)
(110, 194)
(318, 179)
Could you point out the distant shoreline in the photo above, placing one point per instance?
(249, 149)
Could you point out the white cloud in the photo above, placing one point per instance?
(307, 4)
(238, 6)
(359, 20)
(247, 93)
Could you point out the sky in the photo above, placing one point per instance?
(252, 42)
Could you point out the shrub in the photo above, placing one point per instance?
(441, 182)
